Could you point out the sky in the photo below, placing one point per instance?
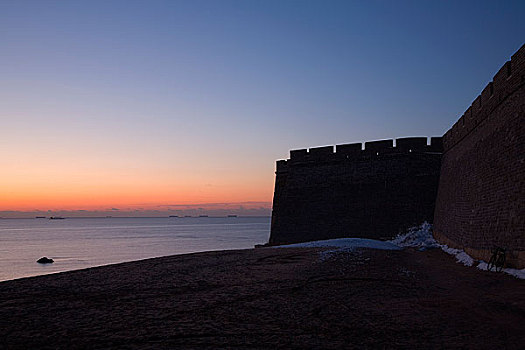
(143, 108)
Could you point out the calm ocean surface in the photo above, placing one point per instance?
(77, 243)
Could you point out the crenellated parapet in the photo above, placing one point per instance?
(480, 204)
(508, 79)
(374, 189)
(366, 150)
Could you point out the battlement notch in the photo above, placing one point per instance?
(508, 79)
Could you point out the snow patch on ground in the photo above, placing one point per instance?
(341, 245)
(421, 237)
(417, 237)
(327, 254)
(460, 255)
(346, 244)
(514, 272)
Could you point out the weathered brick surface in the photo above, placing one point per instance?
(373, 193)
(481, 197)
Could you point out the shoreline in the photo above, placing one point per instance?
(266, 298)
(83, 243)
(119, 263)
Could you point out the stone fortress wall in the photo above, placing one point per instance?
(373, 192)
(381, 190)
(481, 198)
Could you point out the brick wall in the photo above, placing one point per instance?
(376, 192)
(481, 198)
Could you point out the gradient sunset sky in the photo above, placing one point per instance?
(154, 107)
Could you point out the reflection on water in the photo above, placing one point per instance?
(78, 243)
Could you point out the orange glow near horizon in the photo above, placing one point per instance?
(125, 196)
(60, 187)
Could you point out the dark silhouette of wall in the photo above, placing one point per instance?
(381, 190)
(481, 198)
(376, 192)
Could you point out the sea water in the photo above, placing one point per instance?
(77, 243)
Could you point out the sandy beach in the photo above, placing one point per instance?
(267, 298)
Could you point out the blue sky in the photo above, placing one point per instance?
(211, 93)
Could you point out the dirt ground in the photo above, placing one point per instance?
(268, 298)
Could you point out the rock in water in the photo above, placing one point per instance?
(45, 260)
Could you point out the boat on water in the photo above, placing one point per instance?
(232, 216)
(40, 217)
(174, 216)
(56, 218)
